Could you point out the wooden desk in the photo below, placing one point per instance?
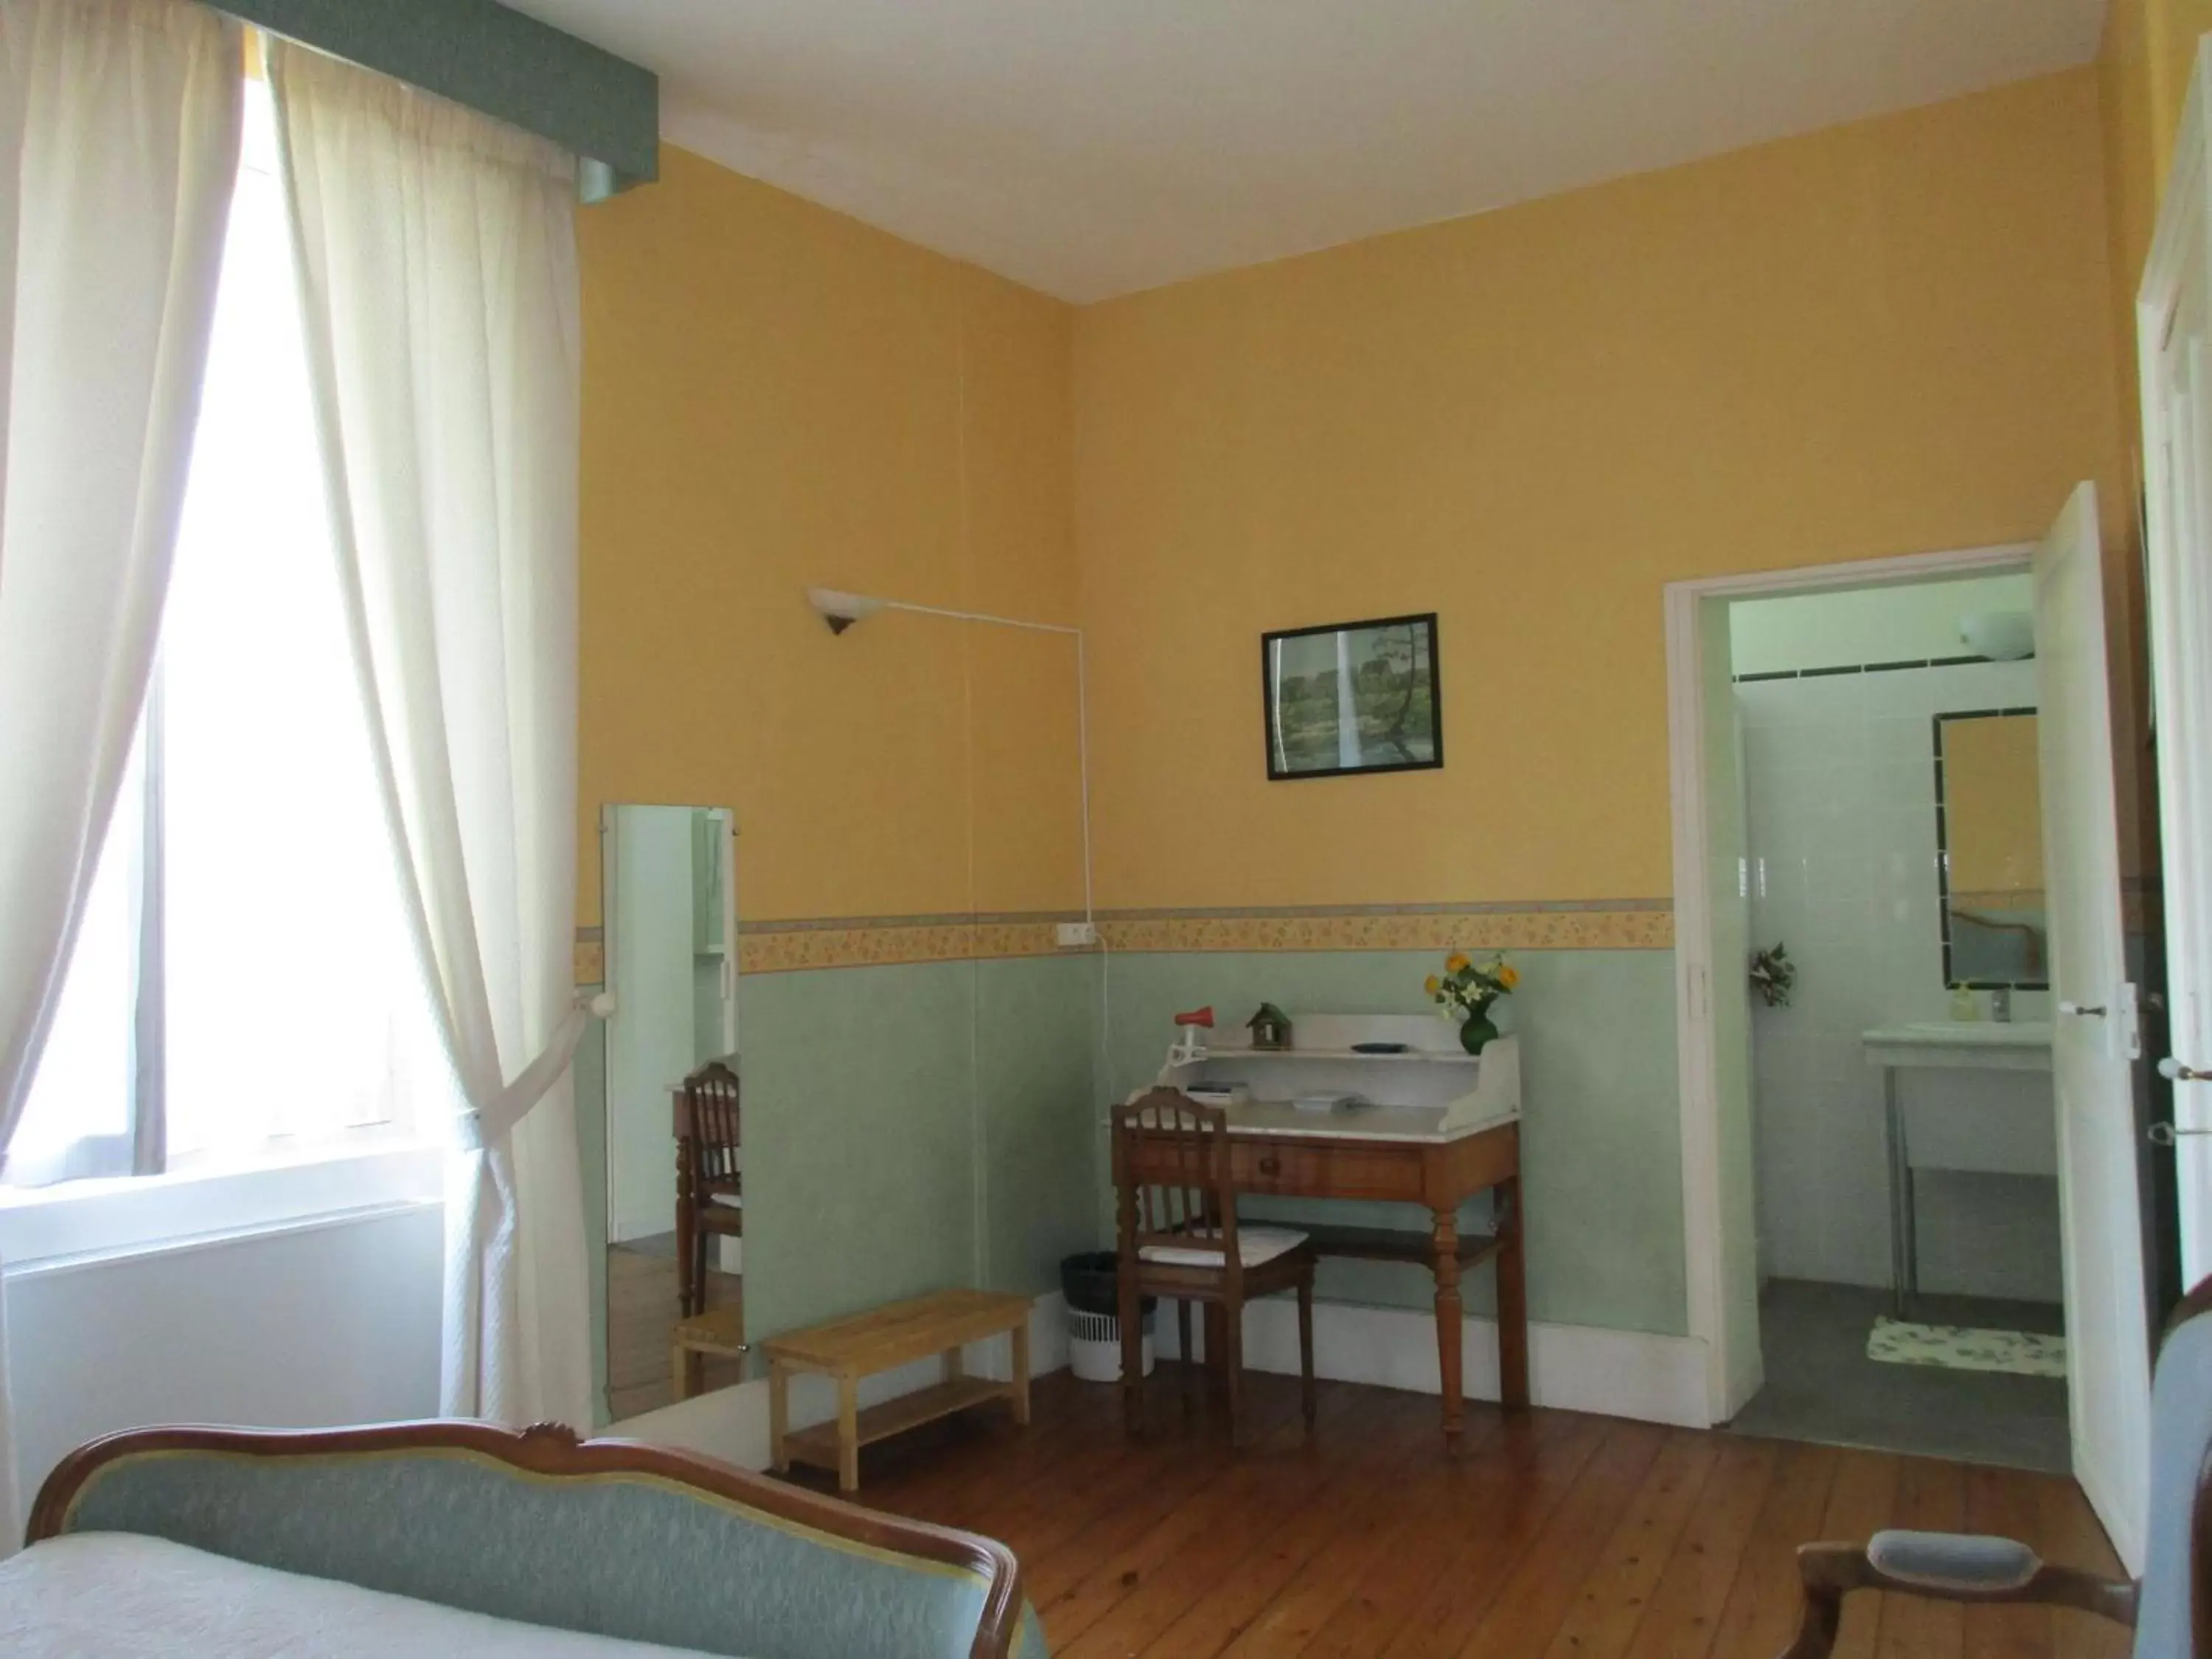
(1404, 1155)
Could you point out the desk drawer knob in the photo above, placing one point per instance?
(1270, 1164)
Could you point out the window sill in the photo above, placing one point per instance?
(42, 1229)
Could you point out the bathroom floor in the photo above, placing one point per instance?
(1821, 1387)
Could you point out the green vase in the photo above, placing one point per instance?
(1476, 1032)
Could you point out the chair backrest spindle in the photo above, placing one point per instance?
(716, 1130)
(1189, 1142)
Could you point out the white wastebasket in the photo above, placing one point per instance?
(1094, 1346)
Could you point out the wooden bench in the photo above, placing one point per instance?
(719, 1331)
(881, 1339)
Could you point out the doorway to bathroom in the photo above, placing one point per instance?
(1848, 813)
(1904, 1138)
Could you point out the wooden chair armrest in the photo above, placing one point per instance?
(1943, 1567)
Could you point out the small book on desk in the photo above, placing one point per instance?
(1218, 1091)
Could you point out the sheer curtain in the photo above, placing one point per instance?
(437, 265)
(119, 139)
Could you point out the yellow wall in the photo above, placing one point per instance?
(777, 396)
(1993, 805)
(1883, 338)
(2148, 51)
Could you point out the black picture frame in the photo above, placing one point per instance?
(1951, 982)
(1426, 671)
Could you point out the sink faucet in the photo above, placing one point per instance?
(2001, 1005)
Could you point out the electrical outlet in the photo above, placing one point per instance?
(1076, 935)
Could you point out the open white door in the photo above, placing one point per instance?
(2174, 324)
(2094, 1042)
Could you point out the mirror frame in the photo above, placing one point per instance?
(1424, 621)
(1950, 981)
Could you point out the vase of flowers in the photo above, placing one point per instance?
(1466, 990)
(1772, 974)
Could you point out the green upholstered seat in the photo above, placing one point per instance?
(626, 1554)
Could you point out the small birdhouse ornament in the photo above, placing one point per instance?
(1270, 1027)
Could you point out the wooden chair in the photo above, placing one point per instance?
(710, 1175)
(1179, 1238)
(2170, 1609)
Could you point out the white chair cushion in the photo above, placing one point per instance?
(1253, 1246)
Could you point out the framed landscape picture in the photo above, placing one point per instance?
(1361, 697)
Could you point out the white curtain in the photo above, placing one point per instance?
(118, 144)
(437, 268)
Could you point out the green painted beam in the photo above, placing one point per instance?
(498, 62)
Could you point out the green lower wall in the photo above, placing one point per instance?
(859, 1116)
(1035, 1051)
(913, 1126)
(1600, 1138)
(907, 1128)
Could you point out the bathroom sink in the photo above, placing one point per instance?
(1961, 1045)
(1965, 1033)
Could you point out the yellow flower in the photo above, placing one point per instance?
(1456, 962)
(1433, 985)
(1508, 977)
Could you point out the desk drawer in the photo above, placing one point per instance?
(1324, 1169)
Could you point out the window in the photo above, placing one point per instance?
(243, 987)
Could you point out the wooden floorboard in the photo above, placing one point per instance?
(1548, 1451)
(1863, 1501)
(1545, 1536)
(1761, 1614)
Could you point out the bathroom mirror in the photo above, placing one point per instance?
(669, 919)
(1989, 832)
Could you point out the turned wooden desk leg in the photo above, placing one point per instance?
(1443, 1243)
(779, 1416)
(1021, 1387)
(1512, 1297)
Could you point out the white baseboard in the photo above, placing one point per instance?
(1578, 1368)
(731, 1424)
(2122, 1525)
(1581, 1367)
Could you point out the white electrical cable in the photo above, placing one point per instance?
(1082, 717)
(864, 604)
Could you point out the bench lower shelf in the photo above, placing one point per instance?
(819, 1444)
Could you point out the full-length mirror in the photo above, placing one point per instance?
(1988, 823)
(674, 1207)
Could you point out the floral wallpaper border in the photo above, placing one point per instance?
(776, 947)
(1646, 924)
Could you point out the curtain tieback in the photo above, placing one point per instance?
(482, 1127)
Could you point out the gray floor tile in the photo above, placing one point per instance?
(1821, 1385)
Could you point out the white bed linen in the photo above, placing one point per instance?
(117, 1596)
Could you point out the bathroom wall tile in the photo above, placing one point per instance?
(1907, 738)
(1761, 703)
(1839, 790)
(1896, 695)
(1990, 1235)
(1893, 780)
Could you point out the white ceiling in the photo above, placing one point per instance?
(1090, 148)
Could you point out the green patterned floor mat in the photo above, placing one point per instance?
(1962, 1348)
